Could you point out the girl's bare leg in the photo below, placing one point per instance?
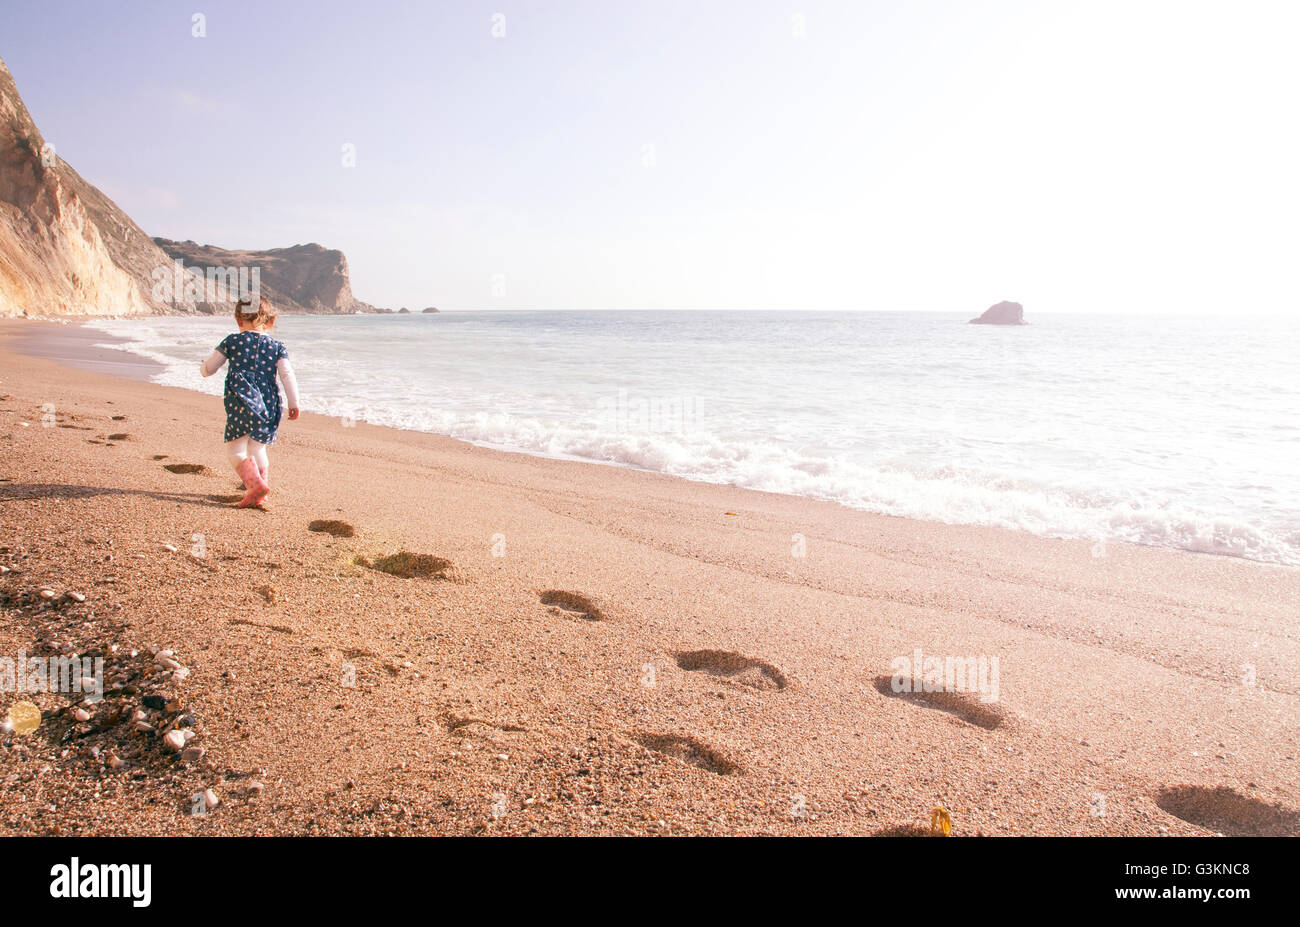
(237, 450)
(257, 451)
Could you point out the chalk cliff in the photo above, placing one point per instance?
(67, 249)
(303, 278)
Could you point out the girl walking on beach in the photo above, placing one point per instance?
(252, 396)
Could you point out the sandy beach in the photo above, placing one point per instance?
(603, 651)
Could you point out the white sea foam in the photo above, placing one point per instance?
(1070, 434)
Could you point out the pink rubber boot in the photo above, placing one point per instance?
(253, 482)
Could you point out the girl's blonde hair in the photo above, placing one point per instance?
(263, 317)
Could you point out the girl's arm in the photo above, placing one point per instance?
(285, 369)
(212, 364)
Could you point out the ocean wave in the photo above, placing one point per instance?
(945, 494)
(1080, 507)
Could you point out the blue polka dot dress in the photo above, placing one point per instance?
(252, 395)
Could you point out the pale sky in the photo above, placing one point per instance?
(1075, 156)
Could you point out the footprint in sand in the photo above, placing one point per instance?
(904, 830)
(1228, 812)
(462, 725)
(689, 751)
(410, 566)
(187, 468)
(962, 705)
(120, 436)
(159, 457)
(335, 529)
(733, 666)
(573, 603)
(244, 622)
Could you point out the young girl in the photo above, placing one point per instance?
(252, 397)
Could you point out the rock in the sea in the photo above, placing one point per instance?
(1003, 313)
(429, 310)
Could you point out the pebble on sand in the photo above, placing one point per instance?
(174, 741)
(210, 799)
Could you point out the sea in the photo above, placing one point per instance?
(1157, 430)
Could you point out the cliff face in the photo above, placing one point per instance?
(65, 248)
(304, 278)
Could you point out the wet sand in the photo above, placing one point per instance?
(603, 651)
(75, 345)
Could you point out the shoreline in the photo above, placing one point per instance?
(67, 342)
(70, 342)
(719, 655)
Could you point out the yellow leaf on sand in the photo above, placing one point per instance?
(25, 717)
(940, 822)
